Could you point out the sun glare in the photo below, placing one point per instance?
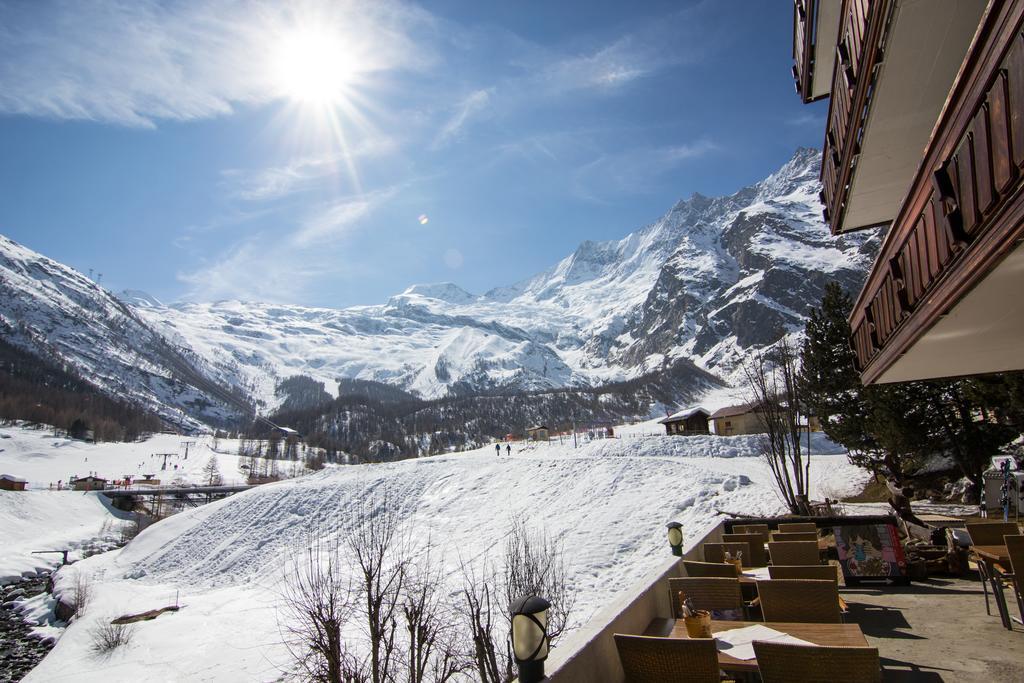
(311, 66)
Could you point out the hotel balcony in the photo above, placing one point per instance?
(945, 297)
(895, 61)
(815, 26)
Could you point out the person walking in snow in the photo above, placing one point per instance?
(497, 450)
(508, 449)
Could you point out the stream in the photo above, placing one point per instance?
(20, 650)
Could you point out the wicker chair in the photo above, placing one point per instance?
(1015, 577)
(725, 570)
(816, 572)
(991, 533)
(783, 663)
(798, 527)
(794, 552)
(715, 552)
(800, 600)
(754, 555)
(761, 529)
(646, 659)
(795, 536)
(712, 594)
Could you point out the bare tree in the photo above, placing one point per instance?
(318, 600)
(491, 651)
(774, 387)
(378, 550)
(433, 637)
(533, 565)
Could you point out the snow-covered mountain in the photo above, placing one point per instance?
(708, 282)
(60, 315)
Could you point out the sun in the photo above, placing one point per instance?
(312, 66)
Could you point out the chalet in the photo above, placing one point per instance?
(90, 483)
(286, 433)
(689, 421)
(538, 433)
(9, 482)
(738, 419)
(924, 138)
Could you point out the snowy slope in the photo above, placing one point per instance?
(607, 502)
(708, 282)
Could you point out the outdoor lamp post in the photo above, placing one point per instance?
(530, 637)
(675, 538)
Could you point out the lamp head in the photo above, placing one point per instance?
(675, 537)
(529, 628)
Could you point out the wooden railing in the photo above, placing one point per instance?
(965, 208)
(860, 34)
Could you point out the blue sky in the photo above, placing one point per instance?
(286, 151)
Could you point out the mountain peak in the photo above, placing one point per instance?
(442, 291)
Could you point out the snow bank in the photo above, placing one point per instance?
(606, 502)
(46, 520)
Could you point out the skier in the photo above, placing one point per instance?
(508, 449)
(497, 450)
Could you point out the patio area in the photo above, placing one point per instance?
(937, 630)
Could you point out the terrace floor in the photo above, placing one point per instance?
(937, 630)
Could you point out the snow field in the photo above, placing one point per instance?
(606, 502)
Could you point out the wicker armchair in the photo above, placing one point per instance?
(760, 529)
(725, 570)
(795, 536)
(715, 552)
(794, 552)
(711, 594)
(800, 600)
(798, 527)
(646, 659)
(754, 555)
(783, 663)
(991, 533)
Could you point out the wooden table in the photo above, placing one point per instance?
(848, 635)
(992, 555)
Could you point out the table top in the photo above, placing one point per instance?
(995, 553)
(848, 635)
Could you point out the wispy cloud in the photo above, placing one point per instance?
(133, 63)
(470, 106)
(633, 171)
(331, 222)
(607, 68)
(302, 173)
(268, 267)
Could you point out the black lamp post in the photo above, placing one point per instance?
(530, 637)
(675, 538)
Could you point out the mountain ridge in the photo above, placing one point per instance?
(709, 282)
